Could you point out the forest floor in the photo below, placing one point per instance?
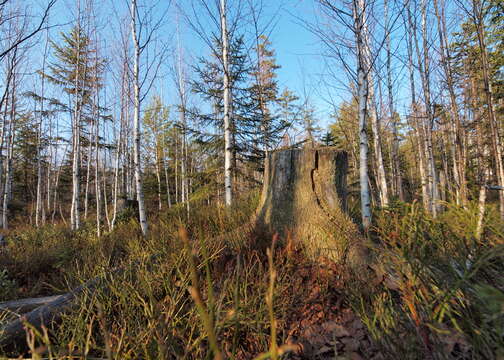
(434, 292)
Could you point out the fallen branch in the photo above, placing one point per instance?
(22, 306)
(51, 311)
(45, 314)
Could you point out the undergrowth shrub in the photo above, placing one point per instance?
(8, 286)
(439, 290)
(142, 308)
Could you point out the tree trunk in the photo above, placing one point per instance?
(5, 103)
(39, 202)
(97, 185)
(105, 197)
(494, 125)
(136, 122)
(158, 178)
(456, 143)
(484, 171)
(56, 185)
(381, 178)
(88, 168)
(75, 215)
(167, 180)
(359, 15)
(377, 143)
(395, 161)
(120, 142)
(7, 191)
(304, 195)
(228, 141)
(428, 123)
(96, 113)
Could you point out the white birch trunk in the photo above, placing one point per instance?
(483, 168)
(183, 122)
(167, 180)
(88, 168)
(97, 178)
(56, 185)
(158, 177)
(362, 91)
(228, 137)
(75, 215)
(375, 126)
(8, 168)
(375, 122)
(136, 121)
(454, 128)
(39, 202)
(428, 123)
(396, 165)
(119, 147)
(105, 197)
(5, 103)
(96, 116)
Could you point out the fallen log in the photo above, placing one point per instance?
(51, 311)
(22, 306)
(45, 314)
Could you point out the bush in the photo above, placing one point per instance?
(437, 282)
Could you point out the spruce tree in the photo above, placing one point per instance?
(77, 72)
(264, 95)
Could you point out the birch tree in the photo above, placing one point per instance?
(355, 18)
(478, 17)
(142, 31)
(396, 166)
(9, 134)
(39, 207)
(360, 26)
(217, 28)
(455, 125)
(228, 144)
(181, 86)
(136, 118)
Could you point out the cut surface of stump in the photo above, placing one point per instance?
(304, 193)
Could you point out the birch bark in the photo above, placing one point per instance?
(136, 121)
(228, 137)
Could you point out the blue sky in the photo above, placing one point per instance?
(297, 49)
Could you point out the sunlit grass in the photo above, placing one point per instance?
(436, 282)
(438, 291)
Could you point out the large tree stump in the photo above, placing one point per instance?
(304, 192)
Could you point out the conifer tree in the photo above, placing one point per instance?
(264, 94)
(76, 72)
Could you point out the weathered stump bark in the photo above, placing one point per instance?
(304, 192)
(127, 209)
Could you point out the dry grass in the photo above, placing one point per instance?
(438, 293)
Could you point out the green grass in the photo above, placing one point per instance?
(147, 311)
(438, 293)
(442, 290)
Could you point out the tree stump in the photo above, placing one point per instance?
(304, 192)
(126, 209)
